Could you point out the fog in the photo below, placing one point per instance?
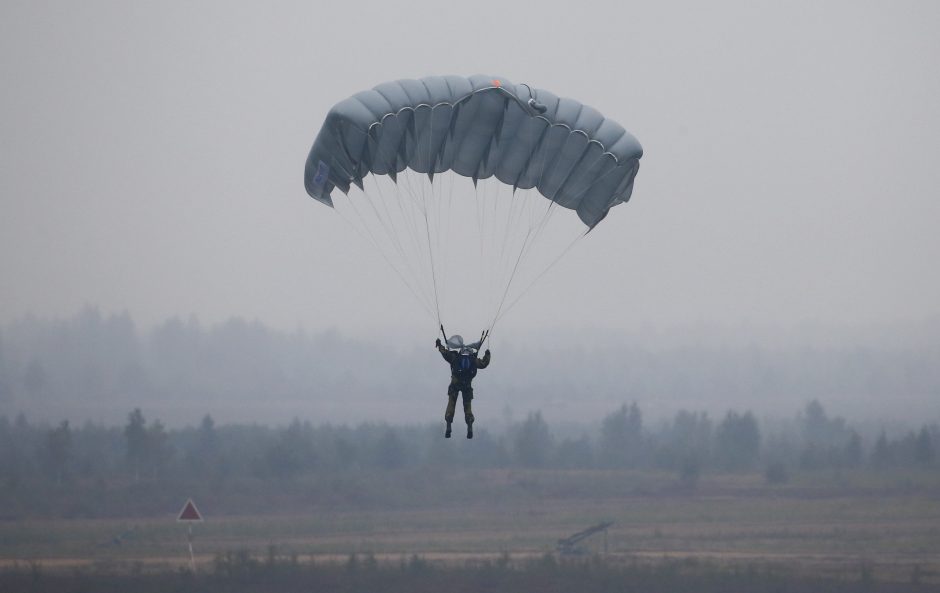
(780, 244)
(152, 159)
(737, 372)
(95, 366)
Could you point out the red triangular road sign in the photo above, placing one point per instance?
(189, 512)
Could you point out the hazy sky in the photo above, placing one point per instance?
(152, 153)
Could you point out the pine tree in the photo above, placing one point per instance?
(136, 435)
(59, 449)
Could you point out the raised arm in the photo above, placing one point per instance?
(484, 362)
(447, 354)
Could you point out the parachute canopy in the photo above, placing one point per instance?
(403, 156)
(478, 127)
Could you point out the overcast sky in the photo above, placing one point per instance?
(152, 153)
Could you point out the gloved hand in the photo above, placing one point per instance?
(487, 353)
(437, 342)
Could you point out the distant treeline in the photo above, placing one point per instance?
(97, 366)
(147, 457)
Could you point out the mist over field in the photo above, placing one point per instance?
(95, 366)
(805, 496)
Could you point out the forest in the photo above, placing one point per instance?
(60, 470)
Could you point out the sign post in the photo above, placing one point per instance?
(189, 514)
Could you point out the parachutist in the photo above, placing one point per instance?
(464, 364)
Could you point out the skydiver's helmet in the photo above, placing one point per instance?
(455, 342)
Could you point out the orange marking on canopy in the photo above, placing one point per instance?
(497, 83)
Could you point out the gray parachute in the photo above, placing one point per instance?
(478, 127)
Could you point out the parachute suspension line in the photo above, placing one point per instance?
(512, 275)
(371, 239)
(444, 198)
(506, 292)
(407, 222)
(509, 225)
(397, 234)
(540, 226)
(533, 233)
(476, 203)
(440, 242)
(427, 230)
(508, 220)
(385, 222)
(411, 283)
(496, 187)
(418, 198)
(453, 200)
(414, 209)
(447, 195)
(418, 211)
(539, 277)
(511, 222)
(494, 260)
(560, 256)
(522, 200)
(516, 215)
(481, 185)
(388, 224)
(480, 210)
(436, 210)
(390, 166)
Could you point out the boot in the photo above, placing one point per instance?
(470, 430)
(447, 432)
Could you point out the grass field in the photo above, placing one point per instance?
(836, 526)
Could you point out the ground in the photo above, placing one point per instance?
(831, 526)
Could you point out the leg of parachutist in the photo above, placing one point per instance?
(449, 413)
(468, 411)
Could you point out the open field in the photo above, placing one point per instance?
(889, 533)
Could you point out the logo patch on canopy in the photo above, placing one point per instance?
(323, 173)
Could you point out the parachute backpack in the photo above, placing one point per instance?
(404, 154)
(464, 366)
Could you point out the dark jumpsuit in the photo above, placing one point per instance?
(462, 386)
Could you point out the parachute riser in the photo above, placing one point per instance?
(484, 335)
(483, 338)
